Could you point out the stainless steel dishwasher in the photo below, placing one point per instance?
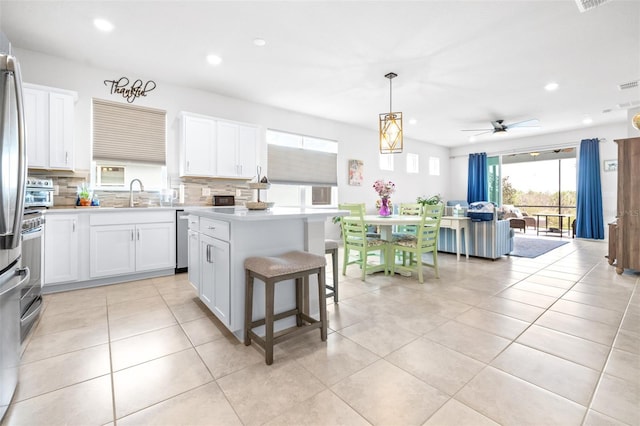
(182, 241)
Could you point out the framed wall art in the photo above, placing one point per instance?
(355, 172)
(610, 165)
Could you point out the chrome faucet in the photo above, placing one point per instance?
(131, 190)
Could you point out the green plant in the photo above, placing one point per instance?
(83, 191)
(431, 201)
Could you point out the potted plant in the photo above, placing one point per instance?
(84, 195)
(431, 201)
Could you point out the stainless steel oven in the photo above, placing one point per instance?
(32, 258)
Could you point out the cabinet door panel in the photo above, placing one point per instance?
(199, 140)
(227, 149)
(214, 277)
(112, 250)
(194, 260)
(36, 114)
(247, 151)
(60, 131)
(221, 289)
(155, 246)
(207, 271)
(61, 249)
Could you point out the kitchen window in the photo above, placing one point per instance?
(302, 170)
(128, 142)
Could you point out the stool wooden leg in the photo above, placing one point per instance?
(269, 290)
(334, 261)
(248, 306)
(299, 301)
(323, 304)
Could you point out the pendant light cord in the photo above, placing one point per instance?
(390, 95)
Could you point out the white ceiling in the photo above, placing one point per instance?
(461, 64)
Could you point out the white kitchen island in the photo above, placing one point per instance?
(220, 239)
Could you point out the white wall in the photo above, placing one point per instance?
(354, 142)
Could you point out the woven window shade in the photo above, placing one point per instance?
(301, 166)
(128, 133)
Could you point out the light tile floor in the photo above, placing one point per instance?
(548, 341)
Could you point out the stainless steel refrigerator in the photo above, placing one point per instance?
(12, 181)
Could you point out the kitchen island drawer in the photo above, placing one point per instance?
(214, 228)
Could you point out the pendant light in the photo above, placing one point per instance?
(390, 126)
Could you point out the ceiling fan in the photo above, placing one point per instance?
(499, 126)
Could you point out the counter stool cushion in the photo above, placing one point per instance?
(330, 245)
(297, 265)
(288, 263)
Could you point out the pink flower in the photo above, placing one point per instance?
(384, 189)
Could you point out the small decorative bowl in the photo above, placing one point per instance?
(256, 205)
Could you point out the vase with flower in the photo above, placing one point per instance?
(384, 190)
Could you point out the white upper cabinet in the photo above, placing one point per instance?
(198, 146)
(49, 120)
(218, 148)
(236, 153)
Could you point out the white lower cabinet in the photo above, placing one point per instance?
(153, 246)
(194, 259)
(112, 250)
(209, 264)
(125, 248)
(214, 276)
(61, 249)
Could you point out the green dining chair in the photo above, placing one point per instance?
(355, 239)
(407, 231)
(425, 241)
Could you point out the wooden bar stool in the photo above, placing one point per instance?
(298, 265)
(331, 247)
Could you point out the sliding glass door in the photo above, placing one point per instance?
(541, 182)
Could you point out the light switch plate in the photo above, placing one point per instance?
(206, 192)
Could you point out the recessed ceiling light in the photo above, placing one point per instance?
(472, 139)
(413, 121)
(550, 87)
(214, 59)
(587, 120)
(103, 25)
(259, 42)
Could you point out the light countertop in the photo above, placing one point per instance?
(276, 213)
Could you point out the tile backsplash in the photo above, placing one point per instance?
(191, 189)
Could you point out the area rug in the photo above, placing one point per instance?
(534, 247)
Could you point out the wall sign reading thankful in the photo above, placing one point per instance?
(130, 93)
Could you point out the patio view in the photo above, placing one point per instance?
(542, 182)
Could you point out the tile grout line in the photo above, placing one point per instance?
(608, 359)
(111, 375)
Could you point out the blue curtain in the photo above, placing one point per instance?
(589, 218)
(478, 181)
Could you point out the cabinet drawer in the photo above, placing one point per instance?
(194, 223)
(214, 228)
